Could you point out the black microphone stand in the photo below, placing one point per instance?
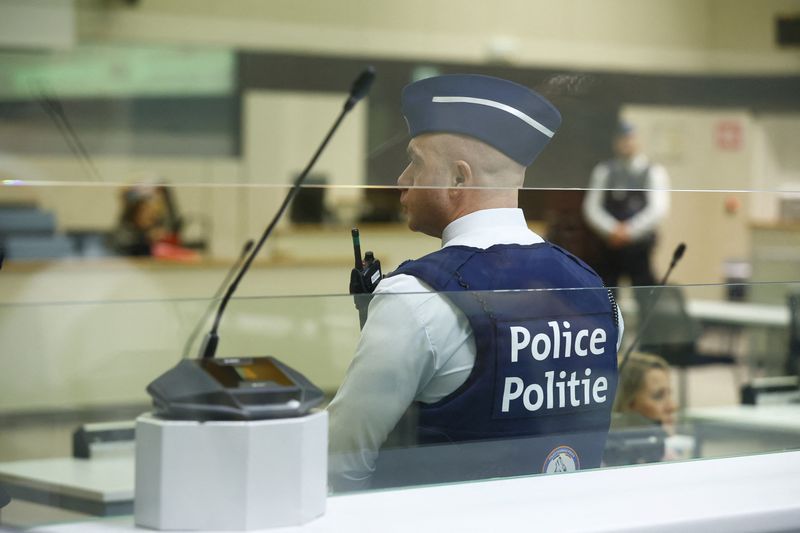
(243, 388)
(210, 308)
(647, 314)
(359, 89)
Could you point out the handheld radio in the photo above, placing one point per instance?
(363, 278)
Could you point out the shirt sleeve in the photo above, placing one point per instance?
(645, 221)
(393, 361)
(598, 219)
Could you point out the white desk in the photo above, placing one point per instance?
(701, 495)
(101, 486)
(775, 418)
(738, 429)
(739, 313)
(756, 493)
(724, 312)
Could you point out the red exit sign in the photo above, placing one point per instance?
(729, 135)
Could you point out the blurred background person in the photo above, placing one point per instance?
(645, 389)
(643, 421)
(627, 199)
(141, 221)
(149, 225)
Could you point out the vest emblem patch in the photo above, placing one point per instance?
(561, 459)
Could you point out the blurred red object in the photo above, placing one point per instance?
(172, 252)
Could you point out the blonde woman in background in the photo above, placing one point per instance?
(645, 388)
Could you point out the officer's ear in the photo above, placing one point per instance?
(462, 175)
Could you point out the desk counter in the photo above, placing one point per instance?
(701, 495)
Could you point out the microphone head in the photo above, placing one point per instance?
(679, 251)
(360, 87)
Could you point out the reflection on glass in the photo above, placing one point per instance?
(681, 401)
(87, 346)
(542, 384)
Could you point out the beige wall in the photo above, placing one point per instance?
(38, 24)
(282, 130)
(666, 35)
(776, 165)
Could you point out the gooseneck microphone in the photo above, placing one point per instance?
(648, 313)
(210, 309)
(358, 90)
(676, 256)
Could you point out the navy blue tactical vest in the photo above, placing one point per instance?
(539, 396)
(627, 191)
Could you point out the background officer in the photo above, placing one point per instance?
(432, 343)
(627, 199)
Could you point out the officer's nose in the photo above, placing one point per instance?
(402, 180)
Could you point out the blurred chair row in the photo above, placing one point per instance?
(28, 232)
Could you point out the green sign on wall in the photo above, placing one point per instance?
(117, 71)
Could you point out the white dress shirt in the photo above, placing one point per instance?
(415, 346)
(642, 223)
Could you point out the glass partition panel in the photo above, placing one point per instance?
(535, 391)
(699, 376)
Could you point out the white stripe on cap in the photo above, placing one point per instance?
(497, 105)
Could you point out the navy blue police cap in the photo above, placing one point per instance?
(513, 119)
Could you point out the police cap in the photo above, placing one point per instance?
(513, 119)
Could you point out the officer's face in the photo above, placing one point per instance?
(654, 399)
(423, 183)
(626, 146)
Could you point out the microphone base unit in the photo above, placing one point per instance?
(230, 474)
(241, 388)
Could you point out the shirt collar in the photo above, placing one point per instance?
(483, 220)
(638, 163)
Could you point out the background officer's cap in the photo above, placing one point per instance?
(513, 119)
(624, 128)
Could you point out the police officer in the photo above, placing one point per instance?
(472, 337)
(626, 201)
